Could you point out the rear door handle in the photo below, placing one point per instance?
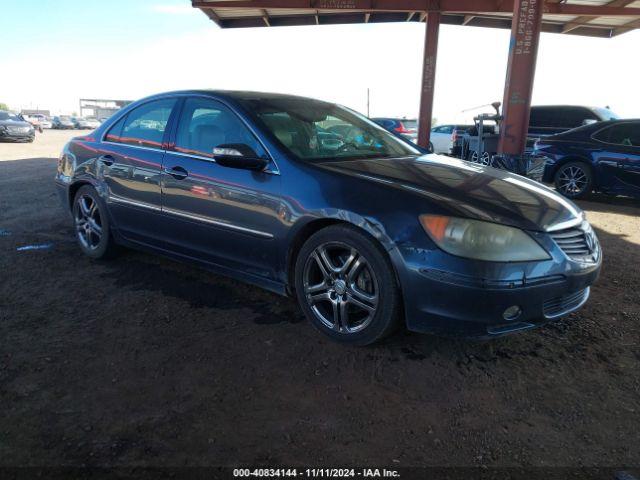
(107, 160)
(178, 173)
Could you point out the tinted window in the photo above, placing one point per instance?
(115, 132)
(542, 118)
(573, 117)
(627, 134)
(206, 124)
(144, 126)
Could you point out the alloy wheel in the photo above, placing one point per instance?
(88, 222)
(340, 287)
(572, 180)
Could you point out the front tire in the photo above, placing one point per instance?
(574, 180)
(346, 286)
(91, 223)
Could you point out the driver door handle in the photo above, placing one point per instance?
(178, 173)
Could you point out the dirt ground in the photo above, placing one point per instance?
(141, 361)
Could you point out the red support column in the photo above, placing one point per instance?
(523, 51)
(428, 78)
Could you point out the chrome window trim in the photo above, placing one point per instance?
(135, 146)
(212, 160)
(218, 223)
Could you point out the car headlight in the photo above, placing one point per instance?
(482, 240)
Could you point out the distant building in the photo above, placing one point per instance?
(46, 113)
(100, 108)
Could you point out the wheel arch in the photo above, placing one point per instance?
(73, 189)
(309, 228)
(573, 158)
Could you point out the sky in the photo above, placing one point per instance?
(64, 50)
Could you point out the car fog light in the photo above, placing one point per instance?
(512, 313)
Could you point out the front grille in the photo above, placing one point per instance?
(558, 306)
(18, 129)
(578, 243)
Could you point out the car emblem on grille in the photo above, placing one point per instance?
(591, 242)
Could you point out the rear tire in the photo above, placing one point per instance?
(91, 224)
(574, 180)
(346, 286)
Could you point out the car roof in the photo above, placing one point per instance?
(235, 94)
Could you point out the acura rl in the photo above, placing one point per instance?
(365, 231)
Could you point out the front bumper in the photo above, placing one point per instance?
(453, 296)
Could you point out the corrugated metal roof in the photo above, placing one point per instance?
(242, 13)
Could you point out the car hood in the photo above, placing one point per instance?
(469, 190)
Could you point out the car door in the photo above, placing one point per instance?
(222, 215)
(131, 165)
(620, 159)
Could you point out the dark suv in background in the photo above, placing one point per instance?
(544, 120)
(547, 120)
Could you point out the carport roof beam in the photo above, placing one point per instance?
(600, 18)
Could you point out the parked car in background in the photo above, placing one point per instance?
(63, 122)
(13, 128)
(408, 128)
(43, 120)
(367, 235)
(442, 137)
(33, 120)
(545, 120)
(82, 123)
(603, 156)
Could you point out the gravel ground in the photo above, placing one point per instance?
(141, 361)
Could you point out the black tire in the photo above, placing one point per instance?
(370, 273)
(431, 149)
(582, 177)
(86, 221)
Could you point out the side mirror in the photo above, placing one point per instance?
(239, 155)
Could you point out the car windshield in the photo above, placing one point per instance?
(606, 114)
(4, 115)
(313, 130)
(410, 124)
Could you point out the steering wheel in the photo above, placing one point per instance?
(346, 145)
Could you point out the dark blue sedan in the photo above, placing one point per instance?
(365, 231)
(603, 156)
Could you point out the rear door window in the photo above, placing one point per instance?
(145, 126)
(626, 134)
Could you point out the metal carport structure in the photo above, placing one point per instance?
(525, 18)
